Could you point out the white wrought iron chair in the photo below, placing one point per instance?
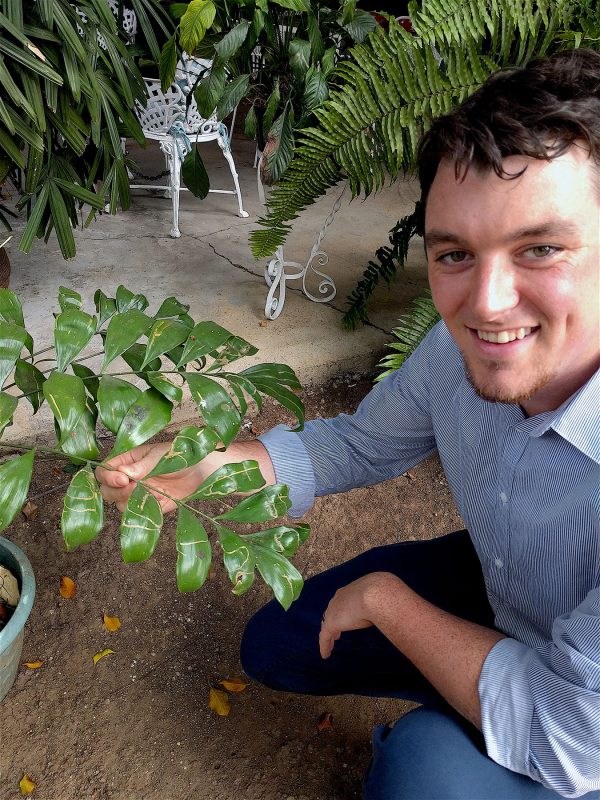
(178, 127)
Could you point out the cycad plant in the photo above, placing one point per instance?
(392, 86)
(68, 86)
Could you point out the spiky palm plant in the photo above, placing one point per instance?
(390, 89)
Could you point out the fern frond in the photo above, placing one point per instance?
(389, 259)
(410, 332)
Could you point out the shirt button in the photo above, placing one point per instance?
(498, 562)
(503, 497)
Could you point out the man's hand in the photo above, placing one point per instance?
(117, 484)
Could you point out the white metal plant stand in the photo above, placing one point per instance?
(279, 270)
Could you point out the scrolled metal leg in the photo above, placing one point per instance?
(229, 158)
(174, 164)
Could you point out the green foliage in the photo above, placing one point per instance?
(175, 353)
(65, 101)
(277, 55)
(411, 330)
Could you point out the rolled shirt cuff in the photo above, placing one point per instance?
(292, 466)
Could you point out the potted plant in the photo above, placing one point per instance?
(161, 355)
(68, 86)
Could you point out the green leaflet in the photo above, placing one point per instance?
(66, 397)
(105, 306)
(148, 415)
(278, 372)
(238, 559)
(83, 511)
(194, 554)
(277, 572)
(165, 386)
(282, 539)
(81, 443)
(68, 298)
(270, 503)
(164, 335)
(215, 405)
(283, 396)
(8, 404)
(203, 338)
(124, 329)
(189, 447)
(89, 379)
(12, 339)
(115, 398)
(30, 380)
(15, 476)
(194, 24)
(171, 307)
(167, 65)
(235, 347)
(194, 174)
(73, 329)
(127, 300)
(140, 526)
(134, 357)
(243, 477)
(10, 307)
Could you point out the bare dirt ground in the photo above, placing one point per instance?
(137, 726)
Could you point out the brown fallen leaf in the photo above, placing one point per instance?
(325, 722)
(111, 623)
(67, 588)
(101, 654)
(30, 510)
(26, 785)
(33, 664)
(218, 702)
(263, 323)
(234, 684)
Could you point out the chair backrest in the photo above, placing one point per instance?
(164, 110)
(129, 18)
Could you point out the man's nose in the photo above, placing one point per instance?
(494, 290)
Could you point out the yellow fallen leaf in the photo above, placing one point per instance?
(111, 623)
(33, 664)
(100, 655)
(219, 702)
(26, 785)
(67, 588)
(233, 684)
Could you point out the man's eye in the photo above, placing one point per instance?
(454, 257)
(542, 250)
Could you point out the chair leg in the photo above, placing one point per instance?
(227, 153)
(169, 148)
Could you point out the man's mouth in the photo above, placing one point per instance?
(503, 337)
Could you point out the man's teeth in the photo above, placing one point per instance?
(502, 337)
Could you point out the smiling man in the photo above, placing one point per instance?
(494, 629)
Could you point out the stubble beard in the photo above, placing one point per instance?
(501, 395)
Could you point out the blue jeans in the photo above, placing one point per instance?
(431, 753)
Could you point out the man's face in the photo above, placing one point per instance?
(514, 271)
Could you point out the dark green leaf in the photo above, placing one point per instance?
(209, 91)
(140, 525)
(277, 572)
(283, 134)
(127, 300)
(30, 380)
(194, 552)
(134, 357)
(105, 306)
(215, 405)
(241, 385)
(189, 447)
(167, 65)
(238, 559)
(66, 397)
(361, 25)
(283, 396)
(115, 398)
(270, 503)
(171, 307)
(83, 511)
(73, 329)
(299, 57)
(62, 222)
(10, 308)
(280, 373)
(8, 404)
(203, 338)
(81, 442)
(165, 386)
(282, 539)
(194, 174)
(293, 5)
(235, 347)
(88, 377)
(164, 335)
(68, 298)
(233, 93)
(148, 415)
(316, 89)
(230, 478)
(123, 330)
(232, 41)
(12, 339)
(15, 476)
(250, 123)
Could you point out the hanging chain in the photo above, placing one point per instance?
(137, 174)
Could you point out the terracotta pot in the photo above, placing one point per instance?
(4, 268)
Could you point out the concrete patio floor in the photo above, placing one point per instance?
(212, 268)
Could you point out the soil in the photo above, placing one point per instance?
(137, 726)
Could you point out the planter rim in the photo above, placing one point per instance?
(23, 609)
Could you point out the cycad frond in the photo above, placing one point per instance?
(410, 332)
(393, 85)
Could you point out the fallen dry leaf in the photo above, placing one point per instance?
(111, 623)
(218, 701)
(234, 684)
(103, 653)
(263, 323)
(26, 785)
(325, 722)
(30, 510)
(68, 588)
(33, 664)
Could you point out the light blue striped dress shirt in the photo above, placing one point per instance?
(528, 490)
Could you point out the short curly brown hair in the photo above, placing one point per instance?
(539, 110)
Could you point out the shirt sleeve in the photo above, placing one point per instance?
(540, 708)
(389, 433)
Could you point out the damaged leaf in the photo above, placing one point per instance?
(234, 685)
(102, 653)
(30, 510)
